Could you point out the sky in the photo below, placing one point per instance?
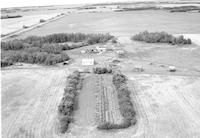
(21, 3)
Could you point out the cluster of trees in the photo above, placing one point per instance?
(102, 70)
(34, 58)
(160, 37)
(183, 8)
(67, 105)
(46, 49)
(125, 104)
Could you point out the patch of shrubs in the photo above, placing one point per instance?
(46, 50)
(68, 102)
(160, 37)
(125, 104)
(102, 70)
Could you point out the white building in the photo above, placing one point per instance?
(88, 62)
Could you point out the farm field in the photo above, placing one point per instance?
(29, 101)
(123, 23)
(168, 106)
(167, 103)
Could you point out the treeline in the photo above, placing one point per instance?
(46, 50)
(125, 105)
(160, 37)
(68, 102)
(183, 8)
(10, 16)
(35, 57)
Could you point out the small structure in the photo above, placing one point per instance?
(66, 63)
(88, 62)
(24, 26)
(101, 49)
(92, 51)
(172, 68)
(138, 68)
(18, 64)
(83, 51)
(120, 52)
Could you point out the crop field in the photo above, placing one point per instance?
(29, 102)
(106, 101)
(168, 106)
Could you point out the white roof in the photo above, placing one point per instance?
(87, 61)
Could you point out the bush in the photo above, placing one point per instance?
(114, 40)
(6, 62)
(160, 37)
(67, 103)
(99, 70)
(42, 20)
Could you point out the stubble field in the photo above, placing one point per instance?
(29, 102)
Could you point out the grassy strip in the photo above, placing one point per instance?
(48, 49)
(68, 102)
(160, 37)
(125, 104)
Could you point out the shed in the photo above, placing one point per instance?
(120, 52)
(138, 68)
(88, 62)
(172, 68)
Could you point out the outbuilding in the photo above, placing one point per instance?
(88, 62)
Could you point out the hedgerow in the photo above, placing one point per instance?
(160, 37)
(125, 104)
(67, 104)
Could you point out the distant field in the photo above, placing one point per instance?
(123, 23)
(29, 102)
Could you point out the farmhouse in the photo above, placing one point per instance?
(88, 62)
